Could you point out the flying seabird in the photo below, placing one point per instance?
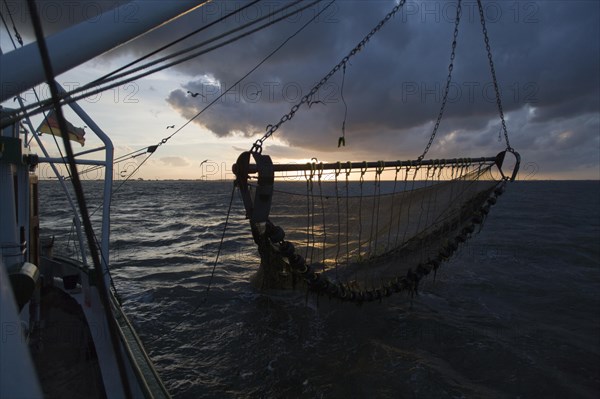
(195, 94)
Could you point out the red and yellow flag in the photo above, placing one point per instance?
(50, 126)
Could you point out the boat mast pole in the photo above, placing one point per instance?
(86, 40)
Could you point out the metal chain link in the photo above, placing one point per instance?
(493, 72)
(448, 81)
(257, 146)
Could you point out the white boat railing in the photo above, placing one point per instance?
(23, 69)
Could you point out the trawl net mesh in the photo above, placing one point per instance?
(364, 233)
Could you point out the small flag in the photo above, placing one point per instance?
(50, 126)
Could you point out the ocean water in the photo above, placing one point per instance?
(515, 313)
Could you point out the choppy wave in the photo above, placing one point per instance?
(515, 313)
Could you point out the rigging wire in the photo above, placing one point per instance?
(234, 187)
(122, 158)
(212, 274)
(151, 149)
(69, 96)
(204, 43)
(259, 64)
(18, 36)
(164, 140)
(174, 42)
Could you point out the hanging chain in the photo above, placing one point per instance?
(448, 81)
(493, 72)
(342, 139)
(257, 146)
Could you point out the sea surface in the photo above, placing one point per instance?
(515, 313)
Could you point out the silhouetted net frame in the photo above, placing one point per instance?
(344, 247)
(364, 230)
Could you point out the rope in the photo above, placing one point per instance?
(308, 213)
(432, 238)
(122, 158)
(374, 196)
(362, 179)
(348, 171)
(429, 203)
(440, 165)
(398, 168)
(401, 202)
(204, 43)
(212, 273)
(320, 175)
(338, 170)
(342, 140)
(410, 203)
(378, 172)
(312, 197)
(322, 285)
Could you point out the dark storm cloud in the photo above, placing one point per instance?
(545, 53)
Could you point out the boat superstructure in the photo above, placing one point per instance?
(64, 333)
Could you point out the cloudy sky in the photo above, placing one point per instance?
(546, 55)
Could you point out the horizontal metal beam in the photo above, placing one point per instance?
(345, 166)
(77, 161)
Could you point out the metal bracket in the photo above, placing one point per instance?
(257, 208)
(500, 160)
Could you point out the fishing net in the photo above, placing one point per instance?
(359, 232)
